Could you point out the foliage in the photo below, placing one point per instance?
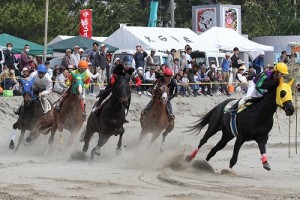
(25, 18)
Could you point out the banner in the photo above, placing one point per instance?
(153, 14)
(85, 26)
(206, 18)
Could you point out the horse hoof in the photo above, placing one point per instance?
(267, 166)
(11, 145)
(94, 152)
(27, 141)
(203, 165)
(118, 151)
(228, 172)
(188, 158)
(85, 148)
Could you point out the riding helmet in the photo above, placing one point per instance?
(83, 64)
(127, 60)
(168, 72)
(42, 68)
(282, 68)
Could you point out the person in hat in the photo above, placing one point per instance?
(66, 60)
(138, 80)
(49, 70)
(149, 79)
(80, 72)
(258, 62)
(75, 56)
(124, 69)
(139, 57)
(56, 72)
(25, 73)
(241, 78)
(70, 68)
(150, 59)
(234, 62)
(81, 51)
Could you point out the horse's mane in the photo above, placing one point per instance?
(157, 85)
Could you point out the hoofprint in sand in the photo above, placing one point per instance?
(142, 173)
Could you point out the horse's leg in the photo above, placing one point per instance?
(165, 133)
(21, 138)
(72, 137)
(101, 141)
(212, 129)
(88, 133)
(119, 145)
(142, 135)
(51, 138)
(226, 137)
(262, 148)
(237, 145)
(154, 137)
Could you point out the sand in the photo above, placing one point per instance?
(141, 172)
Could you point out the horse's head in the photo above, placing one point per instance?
(77, 84)
(27, 91)
(284, 96)
(161, 93)
(121, 90)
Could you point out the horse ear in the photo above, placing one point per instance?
(291, 82)
(281, 81)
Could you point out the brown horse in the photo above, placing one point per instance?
(156, 119)
(71, 115)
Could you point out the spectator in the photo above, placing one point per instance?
(182, 61)
(258, 62)
(185, 84)
(175, 66)
(234, 63)
(170, 58)
(139, 57)
(195, 87)
(222, 87)
(56, 73)
(60, 85)
(66, 61)
(75, 57)
(70, 68)
(283, 58)
(150, 78)
(101, 64)
(2, 60)
(139, 80)
(92, 54)
(9, 57)
(8, 78)
(25, 61)
(150, 59)
(25, 73)
(212, 75)
(49, 70)
(93, 76)
(251, 73)
(203, 78)
(81, 51)
(240, 76)
(188, 58)
(177, 79)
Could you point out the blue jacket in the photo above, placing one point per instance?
(258, 62)
(225, 65)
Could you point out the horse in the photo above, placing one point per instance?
(253, 123)
(31, 116)
(70, 116)
(156, 119)
(109, 120)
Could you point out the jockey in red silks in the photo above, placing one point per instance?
(123, 69)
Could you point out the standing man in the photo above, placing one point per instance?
(188, 58)
(66, 61)
(170, 58)
(9, 56)
(25, 60)
(101, 63)
(150, 59)
(75, 57)
(225, 72)
(234, 62)
(139, 57)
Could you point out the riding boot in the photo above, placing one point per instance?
(170, 111)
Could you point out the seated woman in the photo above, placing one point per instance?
(8, 78)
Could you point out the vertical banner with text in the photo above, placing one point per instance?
(85, 27)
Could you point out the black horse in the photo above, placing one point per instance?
(254, 123)
(110, 118)
(31, 116)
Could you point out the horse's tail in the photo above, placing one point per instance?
(202, 122)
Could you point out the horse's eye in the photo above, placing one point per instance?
(282, 93)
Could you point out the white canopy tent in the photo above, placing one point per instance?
(64, 37)
(159, 38)
(227, 39)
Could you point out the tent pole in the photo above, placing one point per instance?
(46, 30)
(172, 8)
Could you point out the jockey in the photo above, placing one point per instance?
(264, 82)
(166, 78)
(81, 71)
(123, 69)
(42, 86)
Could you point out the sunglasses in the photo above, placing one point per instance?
(42, 73)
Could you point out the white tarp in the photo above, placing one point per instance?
(64, 37)
(227, 39)
(159, 38)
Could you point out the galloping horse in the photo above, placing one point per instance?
(156, 119)
(31, 117)
(254, 123)
(110, 118)
(70, 116)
